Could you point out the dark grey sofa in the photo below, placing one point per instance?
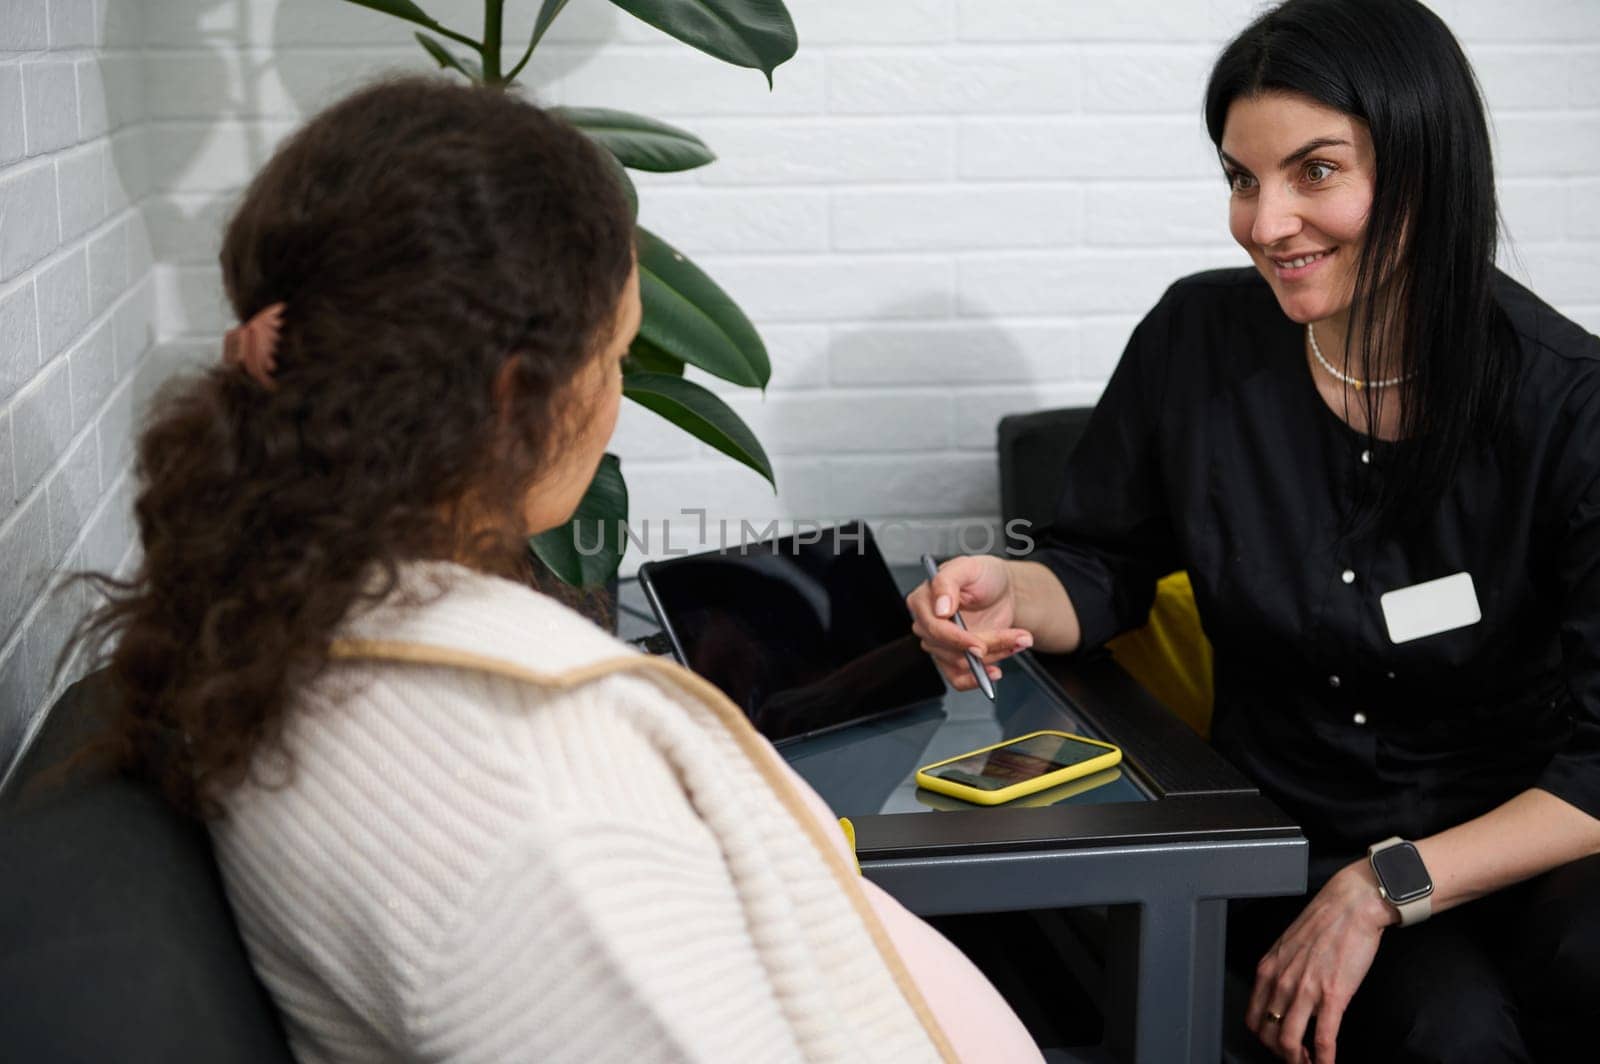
(116, 940)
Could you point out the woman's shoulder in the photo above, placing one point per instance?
(1558, 366)
(452, 642)
(457, 675)
(1554, 421)
(434, 737)
(1221, 291)
(1215, 309)
(447, 628)
(463, 709)
(1223, 283)
(438, 610)
(400, 787)
(1544, 333)
(1208, 330)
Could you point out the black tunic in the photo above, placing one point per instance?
(1212, 451)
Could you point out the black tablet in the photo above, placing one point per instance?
(806, 633)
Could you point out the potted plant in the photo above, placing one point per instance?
(688, 319)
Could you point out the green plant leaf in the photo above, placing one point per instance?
(646, 357)
(629, 193)
(640, 142)
(689, 317)
(469, 68)
(547, 14)
(586, 551)
(700, 413)
(399, 9)
(405, 9)
(748, 33)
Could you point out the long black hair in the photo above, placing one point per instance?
(1428, 260)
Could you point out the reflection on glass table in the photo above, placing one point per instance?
(871, 767)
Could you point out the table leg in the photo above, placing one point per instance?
(1164, 977)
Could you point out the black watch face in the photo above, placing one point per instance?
(1401, 873)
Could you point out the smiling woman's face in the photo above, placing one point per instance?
(1302, 177)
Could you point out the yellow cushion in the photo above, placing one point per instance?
(1170, 656)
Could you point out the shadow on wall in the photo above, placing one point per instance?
(672, 477)
(891, 419)
(229, 79)
(98, 343)
(188, 119)
(937, 376)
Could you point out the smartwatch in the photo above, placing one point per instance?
(1403, 879)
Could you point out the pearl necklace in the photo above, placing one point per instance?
(1354, 382)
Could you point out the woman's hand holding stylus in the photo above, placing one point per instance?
(980, 587)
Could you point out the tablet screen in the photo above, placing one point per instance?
(806, 633)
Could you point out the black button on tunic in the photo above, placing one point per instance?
(1212, 451)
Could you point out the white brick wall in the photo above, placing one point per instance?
(947, 210)
(980, 195)
(76, 321)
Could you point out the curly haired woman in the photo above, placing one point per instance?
(455, 819)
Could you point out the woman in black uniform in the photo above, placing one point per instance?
(1378, 459)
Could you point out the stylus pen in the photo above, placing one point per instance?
(974, 662)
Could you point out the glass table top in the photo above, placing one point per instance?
(871, 767)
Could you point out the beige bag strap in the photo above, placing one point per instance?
(758, 751)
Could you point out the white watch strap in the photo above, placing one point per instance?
(1417, 909)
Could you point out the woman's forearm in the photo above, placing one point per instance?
(1043, 608)
(1530, 834)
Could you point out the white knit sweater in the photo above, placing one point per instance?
(504, 835)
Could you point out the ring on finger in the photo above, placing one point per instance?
(1272, 1017)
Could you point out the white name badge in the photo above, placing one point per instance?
(1432, 607)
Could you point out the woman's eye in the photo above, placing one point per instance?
(1318, 172)
(1239, 182)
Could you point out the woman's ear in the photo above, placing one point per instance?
(503, 392)
(503, 383)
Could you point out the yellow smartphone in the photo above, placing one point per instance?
(1018, 767)
(1038, 800)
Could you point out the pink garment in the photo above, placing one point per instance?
(980, 1025)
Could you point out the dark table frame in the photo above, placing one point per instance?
(1165, 869)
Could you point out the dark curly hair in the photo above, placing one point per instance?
(421, 234)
